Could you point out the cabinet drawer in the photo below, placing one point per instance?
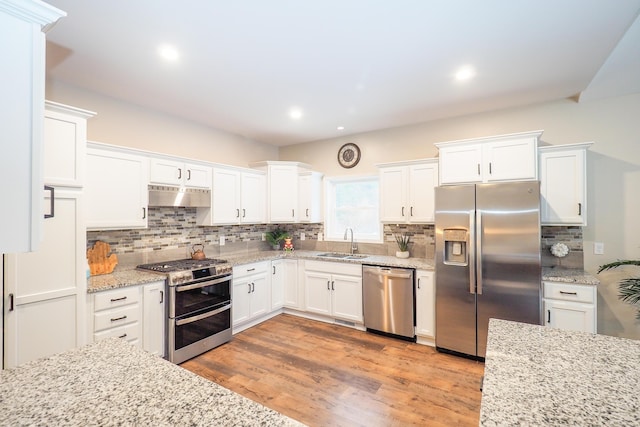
(250, 269)
(116, 317)
(130, 332)
(569, 292)
(334, 267)
(116, 298)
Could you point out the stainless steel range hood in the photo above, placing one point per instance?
(161, 196)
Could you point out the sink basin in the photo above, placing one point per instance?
(341, 256)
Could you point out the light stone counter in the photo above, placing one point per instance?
(120, 279)
(541, 376)
(568, 275)
(114, 383)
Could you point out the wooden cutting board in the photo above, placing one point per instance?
(100, 262)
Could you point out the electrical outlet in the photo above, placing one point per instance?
(303, 236)
(264, 236)
(598, 248)
(319, 237)
(222, 240)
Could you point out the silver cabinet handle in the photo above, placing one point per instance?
(237, 213)
(144, 213)
(402, 211)
(179, 173)
(244, 213)
(253, 287)
(489, 168)
(274, 269)
(52, 203)
(249, 284)
(579, 209)
(293, 213)
(188, 174)
(478, 168)
(328, 282)
(332, 287)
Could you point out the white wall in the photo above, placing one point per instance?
(613, 124)
(125, 124)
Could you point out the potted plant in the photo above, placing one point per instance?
(628, 289)
(274, 237)
(403, 240)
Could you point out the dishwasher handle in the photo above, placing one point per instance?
(400, 273)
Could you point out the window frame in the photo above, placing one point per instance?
(329, 206)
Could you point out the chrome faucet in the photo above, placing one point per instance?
(354, 246)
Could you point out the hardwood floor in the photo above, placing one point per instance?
(328, 375)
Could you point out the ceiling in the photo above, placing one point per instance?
(360, 64)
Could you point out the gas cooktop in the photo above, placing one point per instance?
(182, 265)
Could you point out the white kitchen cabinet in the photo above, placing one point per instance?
(425, 307)
(491, 159)
(292, 294)
(407, 191)
(117, 313)
(310, 197)
(563, 189)
(251, 294)
(154, 318)
(22, 75)
(238, 196)
(164, 171)
(277, 283)
(570, 306)
(334, 290)
(116, 188)
(45, 290)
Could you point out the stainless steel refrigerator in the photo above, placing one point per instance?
(487, 261)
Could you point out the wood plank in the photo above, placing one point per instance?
(324, 374)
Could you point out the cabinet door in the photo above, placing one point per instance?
(310, 197)
(425, 304)
(423, 179)
(253, 198)
(226, 197)
(260, 295)
(562, 187)
(346, 297)
(393, 194)
(283, 193)
(168, 172)
(317, 288)
(571, 316)
(277, 284)
(510, 160)
(116, 190)
(198, 176)
(461, 164)
(241, 302)
(47, 309)
(154, 318)
(291, 291)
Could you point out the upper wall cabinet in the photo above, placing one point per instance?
(310, 196)
(165, 171)
(563, 189)
(21, 111)
(65, 135)
(116, 188)
(510, 157)
(407, 191)
(239, 196)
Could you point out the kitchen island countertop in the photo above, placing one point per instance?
(537, 375)
(114, 383)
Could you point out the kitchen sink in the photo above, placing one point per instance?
(341, 256)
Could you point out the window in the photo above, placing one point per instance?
(352, 203)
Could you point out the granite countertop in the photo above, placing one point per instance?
(114, 383)
(537, 375)
(568, 275)
(122, 278)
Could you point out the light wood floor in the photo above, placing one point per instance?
(328, 375)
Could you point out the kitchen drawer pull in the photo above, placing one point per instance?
(52, 202)
(411, 211)
(237, 213)
(548, 316)
(202, 316)
(328, 283)
(188, 174)
(568, 293)
(118, 299)
(332, 285)
(119, 318)
(253, 287)
(179, 173)
(307, 212)
(250, 269)
(579, 208)
(402, 211)
(249, 284)
(11, 307)
(293, 213)
(418, 283)
(144, 213)
(274, 269)
(161, 297)
(123, 335)
(478, 168)
(244, 213)
(489, 168)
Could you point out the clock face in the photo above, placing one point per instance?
(348, 155)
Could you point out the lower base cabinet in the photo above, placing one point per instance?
(251, 293)
(425, 306)
(571, 307)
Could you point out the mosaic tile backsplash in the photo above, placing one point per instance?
(174, 230)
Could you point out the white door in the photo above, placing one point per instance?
(291, 292)
(197, 176)
(562, 187)
(277, 284)
(45, 290)
(241, 305)
(283, 193)
(253, 198)
(260, 295)
(571, 316)
(346, 297)
(461, 164)
(226, 196)
(423, 179)
(317, 287)
(154, 318)
(393, 194)
(510, 160)
(425, 304)
(164, 171)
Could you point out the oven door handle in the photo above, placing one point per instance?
(182, 288)
(181, 322)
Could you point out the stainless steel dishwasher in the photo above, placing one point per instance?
(389, 300)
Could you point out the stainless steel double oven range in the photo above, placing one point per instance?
(199, 305)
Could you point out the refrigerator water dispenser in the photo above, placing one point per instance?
(455, 246)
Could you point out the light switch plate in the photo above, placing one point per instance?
(598, 248)
(222, 240)
(303, 236)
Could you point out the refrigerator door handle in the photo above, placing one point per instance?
(472, 252)
(479, 251)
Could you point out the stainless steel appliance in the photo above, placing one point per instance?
(389, 301)
(199, 305)
(487, 261)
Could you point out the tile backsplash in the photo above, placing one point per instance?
(174, 230)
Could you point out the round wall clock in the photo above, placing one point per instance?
(348, 155)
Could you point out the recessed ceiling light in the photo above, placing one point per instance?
(168, 52)
(295, 113)
(340, 127)
(465, 73)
